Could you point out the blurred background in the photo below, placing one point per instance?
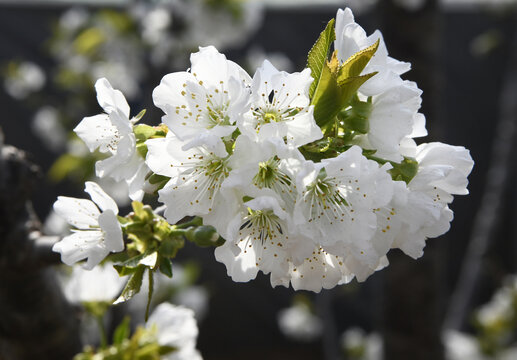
(457, 302)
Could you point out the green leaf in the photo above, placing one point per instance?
(149, 294)
(348, 88)
(356, 63)
(129, 266)
(326, 99)
(331, 96)
(133, 285)
(318, 55)
(122, 331)
(166, 266)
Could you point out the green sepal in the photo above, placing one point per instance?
(142, 149)
(405, 171)
(246, 198)
(318, 55)
(155, 179)
(133, 285)
(143, 132)
(140, 115)
(122, 331)
(166, 266)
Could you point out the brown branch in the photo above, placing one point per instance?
(37, 321)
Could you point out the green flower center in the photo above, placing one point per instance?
(270, 117)
(269, 175)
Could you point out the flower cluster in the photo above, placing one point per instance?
(311, 177)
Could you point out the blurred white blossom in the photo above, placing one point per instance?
(299, 323)
(23, 79)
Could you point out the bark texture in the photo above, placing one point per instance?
(36, 321)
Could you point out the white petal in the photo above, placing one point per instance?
(241, 268)
(112, 231)
(303, 129)
(103, 200)
(96, 132)
(166, 156)
(137, 182)
(80, 213)
(209, 65)
(112, 165)
(167, 96)
(81, 245)
(111, 100)
(175, 326)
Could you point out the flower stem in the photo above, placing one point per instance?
(102, 331)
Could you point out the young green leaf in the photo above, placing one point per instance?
(326, 99)
(349, 86)
(166, 266)
(318, 54)
(333, 95)
(356, 63)
(133, 285)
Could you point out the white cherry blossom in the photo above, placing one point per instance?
(337, 201)
(175, 326)
(261, 238)
(442, 173)
(280, 108)
(202, 106)
(196, 176)
(97, 231)
(112, 133)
